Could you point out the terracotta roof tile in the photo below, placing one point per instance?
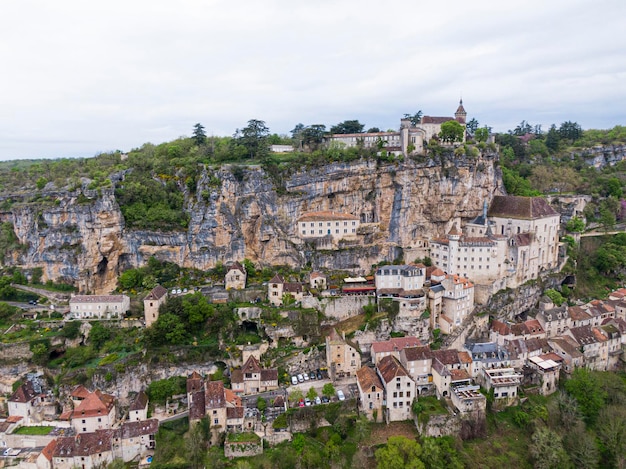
(390, 368)
(326, 216)
(156, 293)
(368, 378)
(528, 208)
(140, 402)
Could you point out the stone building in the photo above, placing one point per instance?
(152, 302)
(253, 379)
(95, 412)
(342, 356)
(399, 389)
(335, 225)
(371, 392)
(457, 302)
(99, 306)
(509, 244)
(235, 278)
(277, 288)
(411, 138)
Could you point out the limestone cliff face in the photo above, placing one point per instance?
(82, 237)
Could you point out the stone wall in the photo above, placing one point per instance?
(242, 449)
(338, 307)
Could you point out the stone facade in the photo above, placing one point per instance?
(235, 278)
(151, 304)
(98, 306)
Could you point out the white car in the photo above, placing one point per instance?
(7, 451)
(300, 378)
(306, 377)
(318, 401)
(340, 395)
(294, 380)
(178, 291)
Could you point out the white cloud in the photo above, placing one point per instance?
(81, 77)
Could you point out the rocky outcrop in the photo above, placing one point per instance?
(81, 237)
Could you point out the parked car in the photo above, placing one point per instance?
(301, 403)
(325, 400)
(7, 451)
(307, 402)
(306, 377)
(340, 395)
(300, 378)
(319, 375)
(318, 401)
(312, 375)
(173, 291)
(294, 380)
(178, 291)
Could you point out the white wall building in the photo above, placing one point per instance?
(99, 306)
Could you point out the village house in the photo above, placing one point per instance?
(85, 450)
(521, 350)
(235, 278)
(138, 409)
(98, 306)
(151, 304)
(547, 368)
(613, 345)
(579, 316)
(134, 439)
(418, 362)
(277, 288)
(399, 389)
(343, 357)
(529, 329)
(400, 280)
(253, 379)
(468, 399)
(486, 356)
(567, 348)
(334, 225)
(457, 302)
(554, 320)
(371, 392)
(393, 347)
(448, 367)
(594, 345)
(504, 382)
(318, 281)
(25, 401)
(95, 412)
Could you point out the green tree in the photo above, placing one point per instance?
(312, 393)
(472, 126)
(41, 351)
(575, 225)
(328, 390)
(195, 445)
(414, 118)
(611, 431)
(584, 387)
(581, 447)
(99, 334)
(41, 183)
(439, 453)
(130, 279)
(570, 131)
(347, 127)
(261, 404)
(547, 451)
(482, 134)
(614, 188)
(399, 453)
(555, 296)
(296, 396)
(451, 132)
(254, 138)
(199, 135)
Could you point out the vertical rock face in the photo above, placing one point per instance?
(85, 241)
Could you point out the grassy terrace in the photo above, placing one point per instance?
(247, 437)
(33, 430)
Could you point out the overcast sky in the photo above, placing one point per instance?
(81, 77)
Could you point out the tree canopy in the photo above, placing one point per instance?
(451, 132)
(347, 127)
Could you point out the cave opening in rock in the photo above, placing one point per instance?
(102, 266)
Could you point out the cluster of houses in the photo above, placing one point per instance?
(534, 353)
(89, 432)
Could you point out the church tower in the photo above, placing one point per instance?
(460, 113)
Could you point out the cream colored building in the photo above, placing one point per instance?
(399, 389)
(336, 225)
(277, 287)
(509, 244)
(410, 139)
(371, 392)
(151, 304)
(99, 306)
(95, 412)
(457, 302)
(235, 278)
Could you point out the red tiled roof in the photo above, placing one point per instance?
(326, 216)
(13, 418)
(460, 375)
(500, 327)
(156, 293)
(412, 354)
(252, 365)
(96, 403)
(395, 344)
(24, 393)
(80, 392)
(368, 378)
(436, 120)
(84, 444)
(390, 368)
(447, 357)
(215, 397)
(48, 451)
